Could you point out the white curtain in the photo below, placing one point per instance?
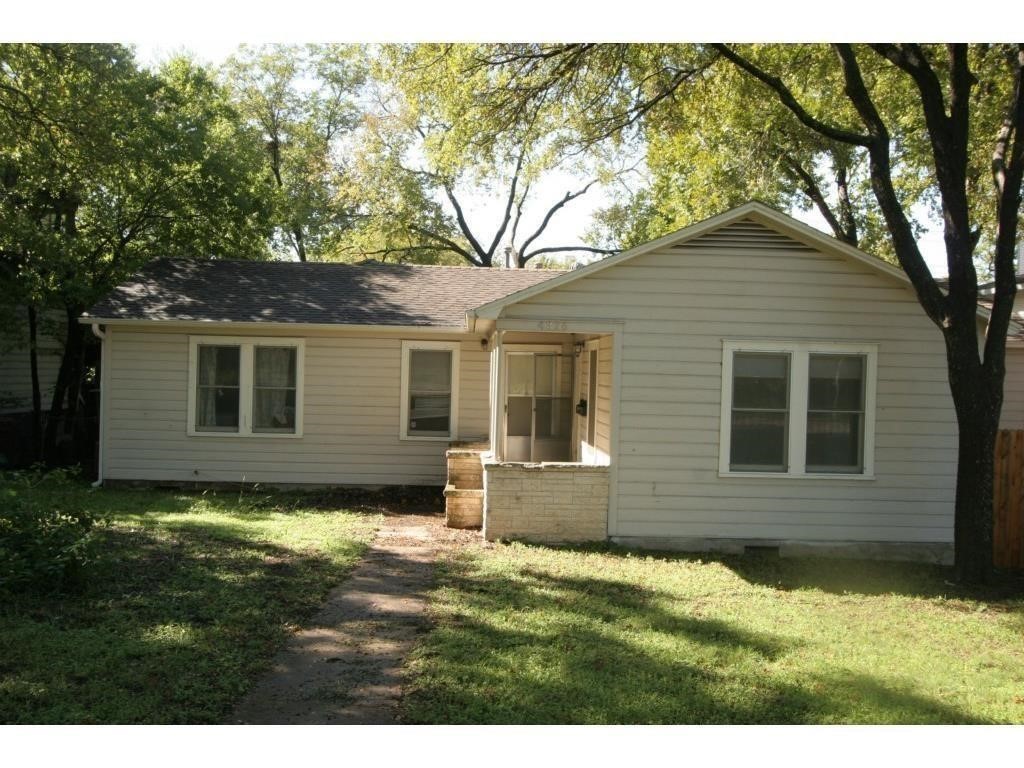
(273, 402)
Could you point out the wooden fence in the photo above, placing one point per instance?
(1008, 523)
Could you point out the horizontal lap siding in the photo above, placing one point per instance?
(351, 413)
(15, 371)
(679, 304)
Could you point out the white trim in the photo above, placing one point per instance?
(453, 424)
(246, 345)
(799, 352)
(105, 340)
(230, 326)
(593, 345)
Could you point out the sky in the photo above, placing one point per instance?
(568, 226)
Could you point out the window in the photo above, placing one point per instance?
(801, 409)
(760, 412)
(430, 390)
(835, 413)
(245, 386)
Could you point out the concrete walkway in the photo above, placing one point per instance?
(346, 667)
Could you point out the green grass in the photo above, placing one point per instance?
(190, 599)
(527, 634)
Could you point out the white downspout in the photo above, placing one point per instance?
(102, 336)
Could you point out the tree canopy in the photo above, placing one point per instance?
(104, 166)
(421, 164)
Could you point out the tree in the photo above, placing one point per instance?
(105, 166)
(950, 116)
(421, 165)
(303, 103)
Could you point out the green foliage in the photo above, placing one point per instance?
(426, 157)
(46, 540)
(106, 165)
(187, 601)
(531, 634)
(302, 104)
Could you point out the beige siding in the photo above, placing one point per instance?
(1012, 416)
(746, 282)
(15, 374)
(351, 415)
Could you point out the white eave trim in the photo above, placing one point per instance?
(226, 326)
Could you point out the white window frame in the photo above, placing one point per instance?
(245, 380)
(453, 424)
(799, 353)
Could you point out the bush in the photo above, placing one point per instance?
(46, 536)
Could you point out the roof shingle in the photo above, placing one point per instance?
(312, 292)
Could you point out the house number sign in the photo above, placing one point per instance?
(553, 325)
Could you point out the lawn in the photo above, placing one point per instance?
(529, 634)
(191, 597)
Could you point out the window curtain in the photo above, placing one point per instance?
(274, 382)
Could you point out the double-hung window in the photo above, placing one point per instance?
(245, 386)
(430, 390)
(803, 409)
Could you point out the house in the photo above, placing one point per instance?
(16, 378)
(745, 381)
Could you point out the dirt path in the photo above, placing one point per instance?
(346, 667)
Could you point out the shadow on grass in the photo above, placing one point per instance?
(534, 646)
(837, 576)
(173, 626)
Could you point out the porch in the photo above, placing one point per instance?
(544, 472)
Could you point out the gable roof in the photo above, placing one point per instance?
(753, 211)
(373, 293)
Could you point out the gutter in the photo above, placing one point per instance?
(102, 336)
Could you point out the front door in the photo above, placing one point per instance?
(538, 406)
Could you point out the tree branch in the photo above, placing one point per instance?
(482, 256)
(569, 197)
(789, 100)
(907, 251)
(450, 244)
(813, 191)
(1008, 203)
(569, 249)
(508, 205)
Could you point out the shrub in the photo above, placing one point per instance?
(46, 536)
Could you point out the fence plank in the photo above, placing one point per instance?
(1008, 492)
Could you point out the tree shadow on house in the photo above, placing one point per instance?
(541, 646)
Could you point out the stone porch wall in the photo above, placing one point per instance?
(545, 502)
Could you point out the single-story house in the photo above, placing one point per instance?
(745, 381)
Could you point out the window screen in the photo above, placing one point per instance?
(430, 392)
(835, 413)
(760, 412)
(218, 388)
(273, 392)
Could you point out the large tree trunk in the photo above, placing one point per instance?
(977, 391)
(37, 398)
(70, 368)
(972, 524)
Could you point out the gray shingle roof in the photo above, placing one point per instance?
(322, 293)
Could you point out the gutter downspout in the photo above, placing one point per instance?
(102, 336)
